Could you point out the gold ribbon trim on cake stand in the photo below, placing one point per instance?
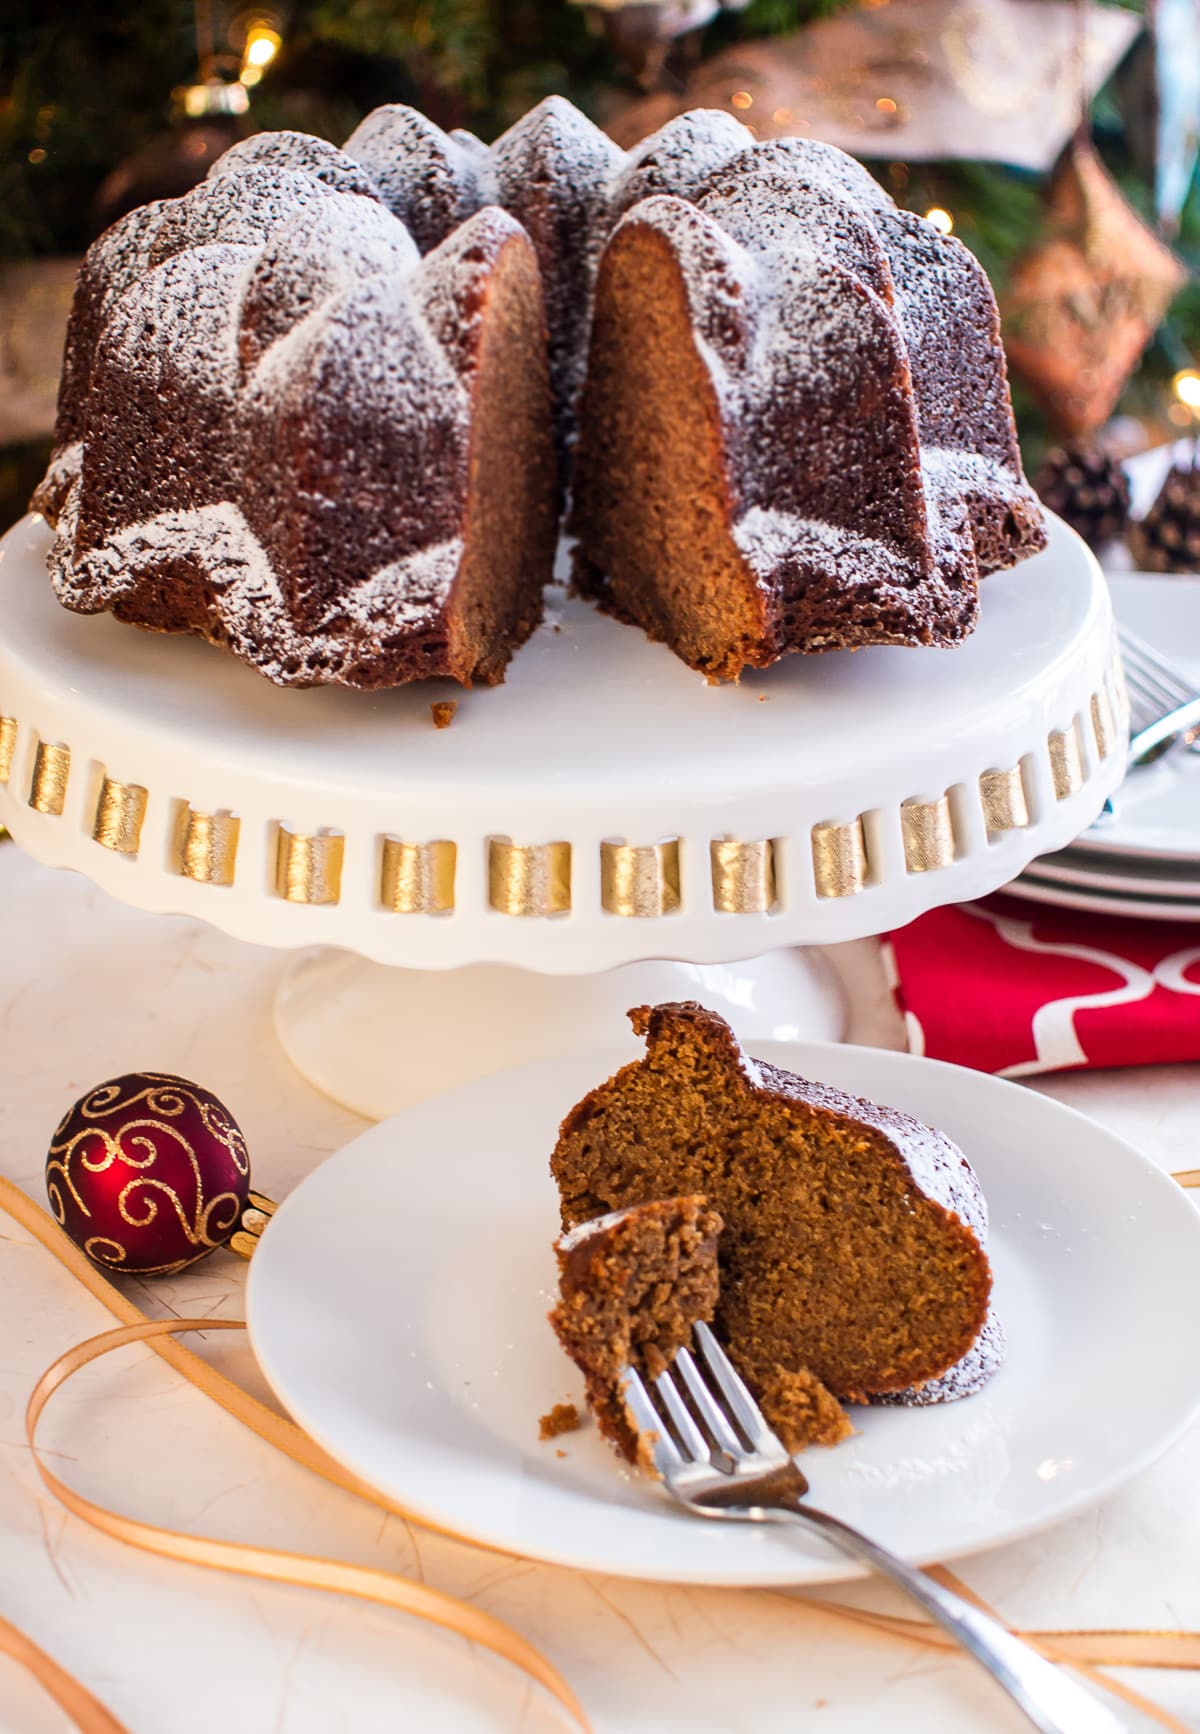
(1119, 688)
(418, 878)
(1086, 1651)
(928, 835)
(743, 876)
(639, 880)
(309, 869)
(839, 854)
(1066, 760)
(48, 785)
(529, 878)
(1002, 794)
(1104, 726)
(206, 846)
(8, 746)
(120, 810)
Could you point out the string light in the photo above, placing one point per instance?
(886, 104)
(262, 45)
(941, 219)
(1187, 388)
(742, 99)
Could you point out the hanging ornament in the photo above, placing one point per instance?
(208, 115)
(915, 80)
(642, 33)
(1085, 299)
(1167, 539)
(1088, 488)
(148, 1173)
(1158, 94)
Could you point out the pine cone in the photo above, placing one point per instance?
(1088, 488)
(1168, 537)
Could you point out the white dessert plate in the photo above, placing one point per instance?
(1057, 896)
(397, 1306)
(1125, 876)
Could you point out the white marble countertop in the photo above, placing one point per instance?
(88, 989)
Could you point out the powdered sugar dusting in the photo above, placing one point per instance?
(808, 290)
(297, 150)
(240, 603)
(430, 181)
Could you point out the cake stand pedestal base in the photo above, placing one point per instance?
(378, 1039)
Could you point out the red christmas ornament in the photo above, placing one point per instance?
(148, 1173)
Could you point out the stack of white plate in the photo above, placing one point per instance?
(1144, 859)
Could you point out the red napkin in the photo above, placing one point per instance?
(1005, 986)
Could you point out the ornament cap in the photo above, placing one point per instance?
(258, 1211)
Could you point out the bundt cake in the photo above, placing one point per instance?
(852, 1250)
(326, 408)
(632, 1284)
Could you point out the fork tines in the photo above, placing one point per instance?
(694, 1419)
(1155, 686)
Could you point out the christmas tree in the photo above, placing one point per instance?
(100, 111)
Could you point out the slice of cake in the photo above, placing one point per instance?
(852, 1251)
(632, 1284)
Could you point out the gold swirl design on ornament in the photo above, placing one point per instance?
(197, 1232)
(113, 1255)
(104, 1250)
(219, 1125)
(137, 1149)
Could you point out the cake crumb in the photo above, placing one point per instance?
(559, 1452)
(443, 712)
(563, 1418)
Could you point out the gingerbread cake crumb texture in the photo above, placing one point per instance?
(562, 1418)
(852, 1260)
(631, 1286)
(328, 408)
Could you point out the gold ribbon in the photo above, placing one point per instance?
(1085, 1650)
(87, 1713)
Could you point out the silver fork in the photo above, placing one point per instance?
(716, 1454)
(1157, 691)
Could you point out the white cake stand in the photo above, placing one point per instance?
(473, 889)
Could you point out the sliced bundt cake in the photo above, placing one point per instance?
(852, 1248)
(287, 432)
(631, 1286)
(320, 410)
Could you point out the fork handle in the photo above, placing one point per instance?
(1052, 1701)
